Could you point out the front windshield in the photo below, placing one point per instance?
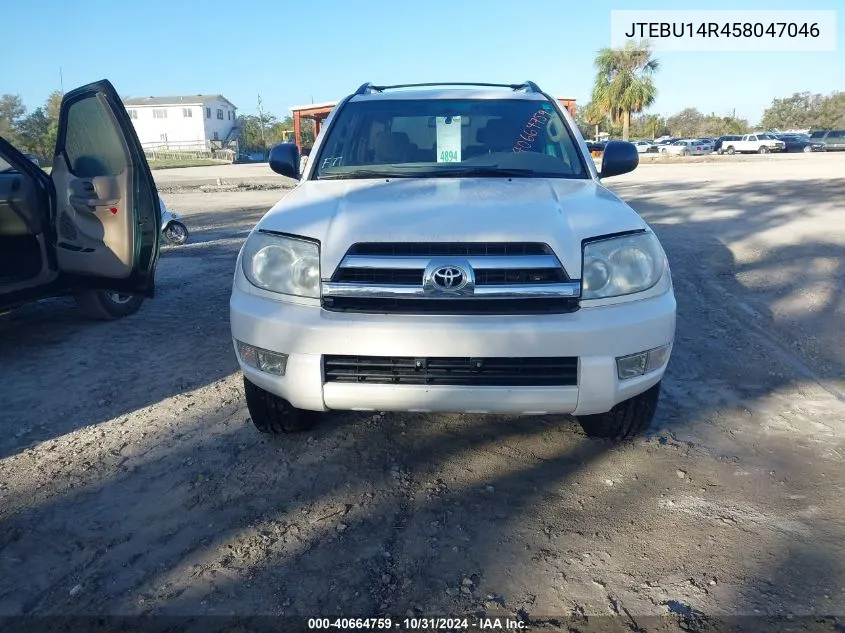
(434, 137)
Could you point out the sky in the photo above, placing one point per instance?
(298, 53)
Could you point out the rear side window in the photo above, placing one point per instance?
(836, 134)
(818, 134)
(93, 144)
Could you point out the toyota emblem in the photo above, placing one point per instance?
(448, 277)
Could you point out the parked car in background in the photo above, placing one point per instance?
(645, 147)
(800, 143)
(686, 147)
(91, 227)
(833, 140)
(596, 146)
(718, 145)
(707, 143)
(754, 144)
(33, 158)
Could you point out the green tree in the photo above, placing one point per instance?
(685, 123)
(33, 133)
(831, 112)
(801, 110)
(12, 110)
(624, 83)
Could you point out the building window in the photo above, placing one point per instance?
(187, 113)
(133, 114)
(216, 136)
(208, 113)
(159, 113)
(229, 114)
(219, 114)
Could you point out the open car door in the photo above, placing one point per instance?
(107, 208)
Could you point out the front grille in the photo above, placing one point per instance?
(504, 278)
(444, 249)
(478, 372)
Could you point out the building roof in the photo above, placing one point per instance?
(178, 100)
(314, 106)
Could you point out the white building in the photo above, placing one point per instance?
(191, 122)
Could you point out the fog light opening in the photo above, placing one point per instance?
(628, 367)
(262, 359)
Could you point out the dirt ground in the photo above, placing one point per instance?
(132, 481)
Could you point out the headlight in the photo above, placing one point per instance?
(621, 266)
(281, 264)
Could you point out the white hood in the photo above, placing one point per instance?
(559, 212)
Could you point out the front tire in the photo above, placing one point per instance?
(731, 150)
(624, 421)
(275, 415)
(763, 150)
(807, 149)
(176, 233)
(105, 305)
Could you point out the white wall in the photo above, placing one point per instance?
(180, 131)
(222, 127)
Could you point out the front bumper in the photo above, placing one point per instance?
(596, 335)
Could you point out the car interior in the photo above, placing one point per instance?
(22, 219)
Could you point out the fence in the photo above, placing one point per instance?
(226, 155)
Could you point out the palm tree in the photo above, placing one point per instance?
(624, 82)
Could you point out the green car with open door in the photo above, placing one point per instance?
(91, 227)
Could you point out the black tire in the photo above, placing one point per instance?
(763, 150)
(686, 152)
(272, 414)
(731, 150)
(807, 149)
(624, 421)
(176, 233)
(104, 305)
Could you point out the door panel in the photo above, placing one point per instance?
(107, 205)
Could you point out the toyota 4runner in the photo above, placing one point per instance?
(451, 249)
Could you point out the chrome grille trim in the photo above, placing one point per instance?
(389, 291)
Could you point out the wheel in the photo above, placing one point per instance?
(176, 233)
(105, 305)
(731, 150)
(272, 414)
(808, 149)
(763, 150)
(686, 152)
(625, 420)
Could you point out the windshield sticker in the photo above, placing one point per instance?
(448, 139)
(529, 133)
(331, 161)
(554, 130)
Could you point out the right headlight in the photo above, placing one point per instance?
(621, 266)
(282, 264)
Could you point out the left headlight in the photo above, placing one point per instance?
(621, 266)
(286, 265)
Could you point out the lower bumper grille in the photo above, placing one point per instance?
(491, 372)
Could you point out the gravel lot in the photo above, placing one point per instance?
(132, 482)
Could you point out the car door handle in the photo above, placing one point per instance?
(92, 202)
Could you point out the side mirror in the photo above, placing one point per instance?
(284, 160)
(619, 157)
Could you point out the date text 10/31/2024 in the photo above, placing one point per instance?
(416, 624)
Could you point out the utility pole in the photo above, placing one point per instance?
(61, 81)
(261, 123)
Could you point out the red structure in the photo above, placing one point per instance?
(316, 113)
(569, 104)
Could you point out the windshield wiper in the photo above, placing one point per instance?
(502, 172)
(365, 173)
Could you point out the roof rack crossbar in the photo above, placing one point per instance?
(528, 86)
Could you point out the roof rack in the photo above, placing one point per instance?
(368, 88)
